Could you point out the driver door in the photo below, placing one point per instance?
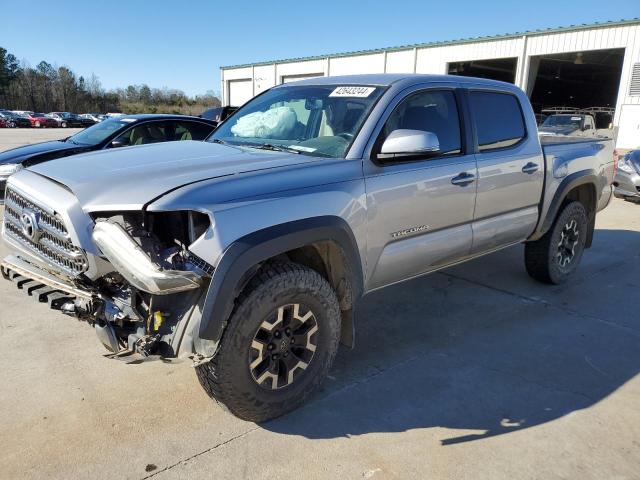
(420, 211)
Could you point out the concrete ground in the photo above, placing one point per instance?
(475, 372)
(15, 137)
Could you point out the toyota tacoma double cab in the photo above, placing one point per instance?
(249, 253)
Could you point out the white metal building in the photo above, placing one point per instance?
(580, 66)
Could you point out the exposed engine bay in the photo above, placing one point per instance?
(144, 305)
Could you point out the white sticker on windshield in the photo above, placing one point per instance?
(302, 149)
(352, 91)
(576, 118)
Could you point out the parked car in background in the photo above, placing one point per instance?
(118, 132)
(56, 118)
(250, 252)
(218, 114)
(40, 120)
(627, 181)
(540, 117)
(569, 124)
(92, 116)
(68, 119)
(14, 120)
(4, 123)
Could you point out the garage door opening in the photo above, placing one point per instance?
(579, 80)
(503, 69)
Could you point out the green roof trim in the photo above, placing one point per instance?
(528, 33)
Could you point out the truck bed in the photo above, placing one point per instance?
(565, 156)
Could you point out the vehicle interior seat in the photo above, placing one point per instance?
(139, 136)
(155, 134)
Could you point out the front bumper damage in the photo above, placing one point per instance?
(150, 314)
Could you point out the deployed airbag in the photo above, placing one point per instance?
(276, 122)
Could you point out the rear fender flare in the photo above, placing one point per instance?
(584, 177)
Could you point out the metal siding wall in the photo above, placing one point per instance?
(400, 62)
(357, 64)
(312, 67)
(435, 59)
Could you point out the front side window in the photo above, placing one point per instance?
(498, 119)
(430, 111)
(98, 132)
(312, 120)
(144, 134)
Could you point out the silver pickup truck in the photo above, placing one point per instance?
(249, 253)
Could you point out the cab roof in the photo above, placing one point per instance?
(387, 79)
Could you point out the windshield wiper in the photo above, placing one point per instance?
(273, 148)
(217, 140)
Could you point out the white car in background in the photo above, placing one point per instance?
(92, 116)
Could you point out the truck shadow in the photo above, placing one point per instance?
(483, 349)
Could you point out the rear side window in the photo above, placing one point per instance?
(191, 131)
(498, 119)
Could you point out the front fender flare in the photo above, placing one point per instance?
(247, 252)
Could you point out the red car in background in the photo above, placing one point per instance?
(3, 122)
(39, 120)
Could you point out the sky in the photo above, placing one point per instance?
(183, 44)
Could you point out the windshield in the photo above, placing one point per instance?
(98, 132)
(313, 120)
(562, 121)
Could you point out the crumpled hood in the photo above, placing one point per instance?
(128, 178)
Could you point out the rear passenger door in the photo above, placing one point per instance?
(510, 170)
(419, 216)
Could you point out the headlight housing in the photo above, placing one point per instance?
(10, 168)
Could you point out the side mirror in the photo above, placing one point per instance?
(409, 144)
(117, 143)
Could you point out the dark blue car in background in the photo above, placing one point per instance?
(128, 130)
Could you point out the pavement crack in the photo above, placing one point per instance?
(196, 455)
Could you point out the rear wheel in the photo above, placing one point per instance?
(556, 256)
(278, 346)
(64, 124)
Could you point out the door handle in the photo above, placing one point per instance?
(464, 179)
(530, 168)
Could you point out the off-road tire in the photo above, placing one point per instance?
(227, 377)
(540, 256)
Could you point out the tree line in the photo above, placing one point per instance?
(48, 88)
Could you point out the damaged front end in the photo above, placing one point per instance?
(147, 300)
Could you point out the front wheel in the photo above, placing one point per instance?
(64, 124)
(279, 344)
(556, 256)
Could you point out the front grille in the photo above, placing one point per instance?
(50, 240)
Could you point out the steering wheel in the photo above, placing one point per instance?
(346, 136)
